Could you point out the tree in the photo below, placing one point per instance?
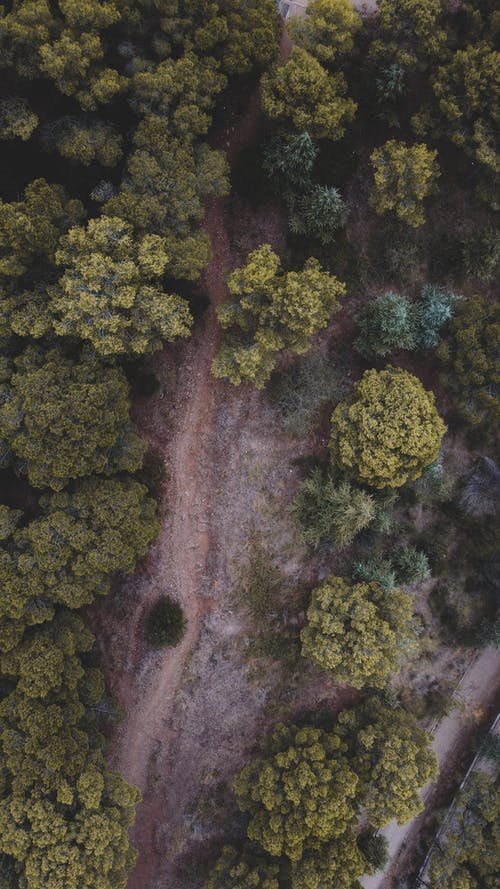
(242, 37)
(180, 91)
(318, 213)
(64, 419)
(21, 243)
(481, 493)
(403, 177)
(288, 161)
(388, 431)
(271, 310)
(385, 325)
(304, 93)
(411, 33)
(338, 863)
(84, 139)
(325, 507)
(17, 120)
(301, 791)
(248, 870)
(471, 353)
(410, 564)
(467, 855)
(391, 756)
(392, 322)
(69, 553)
(327, 29)
(110, 291)
(356, 630)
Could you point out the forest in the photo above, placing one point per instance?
(336, 177)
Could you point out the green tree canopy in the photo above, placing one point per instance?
(467, 855)
(356, 630)
(86, 139)
(17, 120)
(246, 870)
(110, 292)
(391, 756)
(326, 508)
(301, 791)
(388, 431)
(411, 33)
(471, 353)
(271, 310)
(327, 29)
(63, 419)
(22, 244)
(302, 92)
(403, 177)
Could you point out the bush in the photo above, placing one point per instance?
(166, 623)
(481, 254)
(410, 565)
(326, 508)
(304, 389)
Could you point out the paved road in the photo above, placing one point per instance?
(473, 693)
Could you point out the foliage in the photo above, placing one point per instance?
(289, 160)
(392, 757)
(410, 565)
(23, 244)
(481, 254)
(388, 431)
(68, 554)
(63, 419)
(301, 792)
(326, 508)
(386, 324)
(481, 493)
(87, 140)
(302, 390)
(110, 291)
(247, 870)
(327, 29)
(467, 856)
(166, 623)
(304, 93)
(411, 33)
(356, 630)
(465, 92)
(471, 353)
(338, 863)
(17, 120)
(403, 177)
(271, 310)
(259, 580)
(318, 213)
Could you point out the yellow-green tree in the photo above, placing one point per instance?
(302, 92)
(110, 291)
(392, 758)
(411, 33)
(388, 431)
(471, 353)
(23, 243)
(303, 790)
(327, 29)
(404, 176)
(337, 864)
(271, 310)
(246, 870)
(17, 120)
(84, 139)
(356, 630)
(63, 419)
(468, 854)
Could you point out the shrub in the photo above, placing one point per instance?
(302, 390)
(326, 508)
(403, 177)
(481, 254)
(166, 623)
(410, 565)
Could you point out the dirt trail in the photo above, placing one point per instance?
(180, 423)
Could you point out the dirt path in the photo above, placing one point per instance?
(477, 689)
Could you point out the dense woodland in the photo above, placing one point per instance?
(382, 144)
